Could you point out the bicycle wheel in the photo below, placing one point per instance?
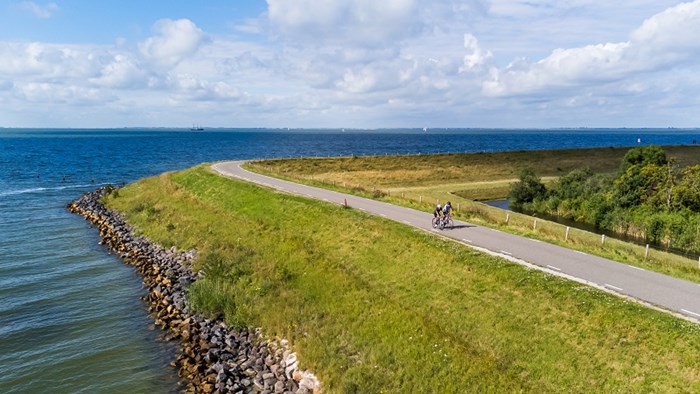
(449, 224)
(435, 222)
(441, 224)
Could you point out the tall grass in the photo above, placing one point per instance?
(375, 306)
(388, 172)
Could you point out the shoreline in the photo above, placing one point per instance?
(212, 357)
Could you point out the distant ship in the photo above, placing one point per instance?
(196, 127)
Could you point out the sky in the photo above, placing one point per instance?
(350, 63)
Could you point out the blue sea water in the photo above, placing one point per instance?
(71, 320)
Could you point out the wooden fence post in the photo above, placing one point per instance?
(566, 238)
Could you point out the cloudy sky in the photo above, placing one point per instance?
(350, 63)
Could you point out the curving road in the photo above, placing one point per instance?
(676, 296)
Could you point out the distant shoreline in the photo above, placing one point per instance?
(390, 130)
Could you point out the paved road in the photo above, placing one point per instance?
(676, 296)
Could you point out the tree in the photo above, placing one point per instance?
(669, 183)
(686, 194)
(596, 210)
(572, 185)
(651, 198)
(646, 177)
(642, 156)
(526, 190)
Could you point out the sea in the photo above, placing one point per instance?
(71, 317)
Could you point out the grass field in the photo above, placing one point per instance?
(374, 306)
(476, 176)
(411, 181)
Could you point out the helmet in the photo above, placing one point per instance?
(448, 203)
(439, 206)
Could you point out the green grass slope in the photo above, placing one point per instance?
(374, 306)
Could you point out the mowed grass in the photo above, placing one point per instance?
(420, 181)
(375, 306)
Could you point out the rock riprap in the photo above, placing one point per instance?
(212, 357)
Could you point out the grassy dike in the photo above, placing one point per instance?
(419, 181)
(375, 306)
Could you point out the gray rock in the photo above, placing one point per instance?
(258, 384)
(209, 347)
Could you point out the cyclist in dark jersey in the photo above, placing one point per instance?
(438, 211)
(437, 215)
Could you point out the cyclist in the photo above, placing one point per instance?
(437, 213)
(447, 210)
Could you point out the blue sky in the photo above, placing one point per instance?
(350, 63)
(102, 22)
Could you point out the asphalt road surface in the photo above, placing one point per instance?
(676, 296)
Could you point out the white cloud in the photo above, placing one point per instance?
(368, 79)
(40, 11)
(173, 42)
(45, 61)
(122, 71)
(475, 57)
(53, 93)
(666, 40)
(190, 88)
(366, 23)
(669, 37)
(22, 59)
(365, 47)
(563, 68)
(378, 64)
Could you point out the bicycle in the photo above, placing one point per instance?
(441, 222)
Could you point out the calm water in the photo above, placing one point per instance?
(71, 320)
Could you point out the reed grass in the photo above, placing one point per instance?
(459, 171)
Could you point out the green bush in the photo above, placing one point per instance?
(650, 199)
(528, 189)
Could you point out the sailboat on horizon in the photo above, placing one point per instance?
(196, 127)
